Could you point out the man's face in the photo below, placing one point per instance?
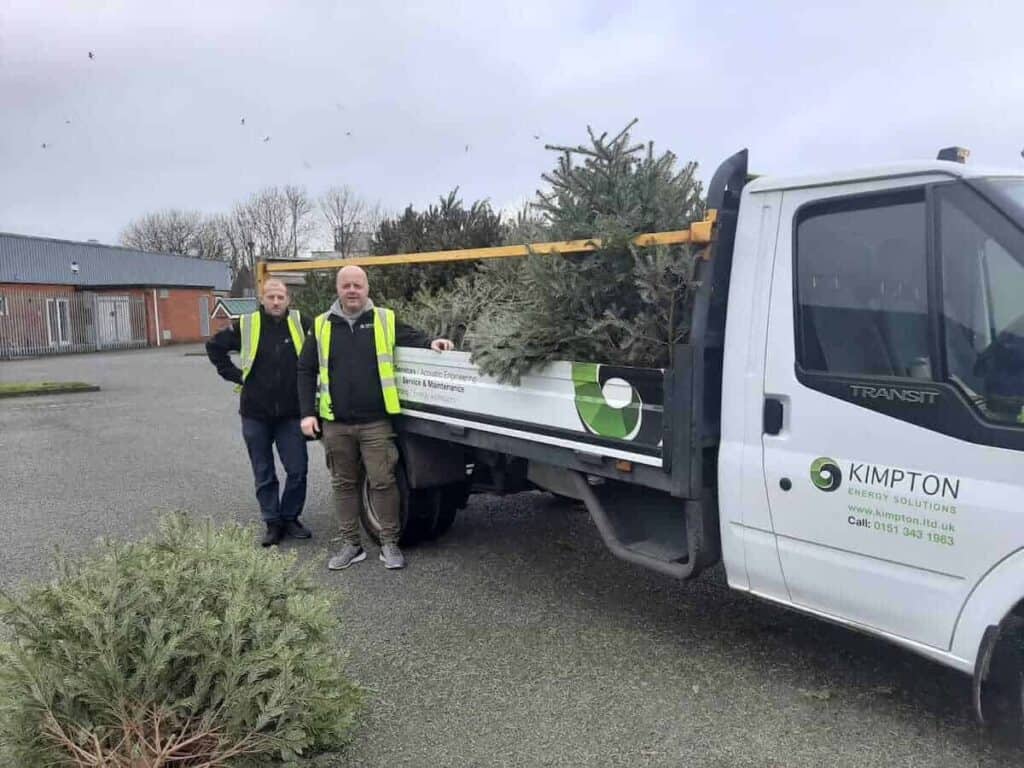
(275, 299)
(352, 290)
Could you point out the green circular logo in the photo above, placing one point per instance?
(826, 475)
(619, 420)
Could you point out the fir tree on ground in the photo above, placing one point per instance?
(190, 648)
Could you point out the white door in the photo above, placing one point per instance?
(114, 320)
(58, 322)
(123, 319)
(106, 325)
(892, 487)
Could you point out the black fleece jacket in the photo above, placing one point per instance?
(355, 382)
(270, 392)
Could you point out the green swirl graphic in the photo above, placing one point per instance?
(594, 411)
(826, 475)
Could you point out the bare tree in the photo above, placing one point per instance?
(269, 211)
(273, 223)
(210, 240)
(188, 233)
(234, 236)
(300, 214)
(350, 220)
(342, 212)
(278, 222)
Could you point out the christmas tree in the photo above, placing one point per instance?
(620, 304)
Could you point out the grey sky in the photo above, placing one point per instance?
(155, 116)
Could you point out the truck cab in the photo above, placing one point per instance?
(870, 462)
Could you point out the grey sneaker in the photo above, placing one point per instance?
(350, 554)
(392, 556)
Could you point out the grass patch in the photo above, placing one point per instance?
(26, 388)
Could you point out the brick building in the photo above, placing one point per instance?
(64, 296)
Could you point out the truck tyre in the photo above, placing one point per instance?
(1004, 688)
(425, 513)
(453, 498)
(417, 510)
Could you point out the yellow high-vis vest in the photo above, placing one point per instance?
(384, 342)
(249, 330)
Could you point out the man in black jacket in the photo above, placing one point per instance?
(269, 341)
(347, 390)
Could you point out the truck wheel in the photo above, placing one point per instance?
(417, 510)
(453, 498)
(1004, 688)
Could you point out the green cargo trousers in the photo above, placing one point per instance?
(350, 448)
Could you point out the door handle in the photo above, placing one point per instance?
(772, 421)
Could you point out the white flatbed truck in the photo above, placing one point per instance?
(844, 428)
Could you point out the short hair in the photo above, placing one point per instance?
(352, 267)
(270, 280)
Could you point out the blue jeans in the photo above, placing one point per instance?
(260, 438)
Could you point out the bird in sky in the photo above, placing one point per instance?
(67, 122)
(92, 55)
(266, 139)
(536, 136)
(44, 145)
(467, 147)
(243, 121)
(348, 133)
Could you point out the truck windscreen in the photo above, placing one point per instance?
(1007, 193)
(982, 256)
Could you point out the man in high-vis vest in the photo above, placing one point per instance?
(347, 390)
(269, 342)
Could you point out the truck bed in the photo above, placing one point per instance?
(629, 424)
(596, 432)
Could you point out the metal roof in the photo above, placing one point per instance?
(237, 307)
(43, 260)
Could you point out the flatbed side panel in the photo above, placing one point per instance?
(458, 422)
(535, 450)
(610, 411)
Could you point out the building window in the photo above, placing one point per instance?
(862, 296)
(164, 293)
(3, 306)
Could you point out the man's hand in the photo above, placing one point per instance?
(442, 345)
(310, 426)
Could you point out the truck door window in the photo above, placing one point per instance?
(861, 285)
(983, 303)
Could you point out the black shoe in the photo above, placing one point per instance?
(273, 535)
(296, 530)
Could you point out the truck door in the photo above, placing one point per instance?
(894, 483)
